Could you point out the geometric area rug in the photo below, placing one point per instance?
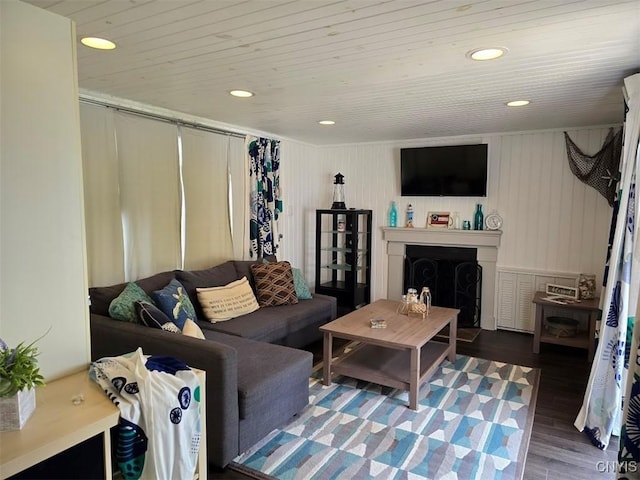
(474, 421)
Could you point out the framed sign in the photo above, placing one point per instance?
(439, 220)
(562, 291)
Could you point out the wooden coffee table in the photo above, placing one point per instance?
(403, 355)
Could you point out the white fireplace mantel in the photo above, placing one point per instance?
(485, 242)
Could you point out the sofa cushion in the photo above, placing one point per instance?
(265, 371)
(274, 324)
(243, 267)
(101, 297)
(229, 301)
(155, 282)
(217, 276)
(123, 307)
(274, 284)
(175, 303)
(300, 285)
(269, 395)
(150, 315)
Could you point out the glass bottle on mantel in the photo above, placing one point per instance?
(393, 215)
(455, 221)
(478, 218)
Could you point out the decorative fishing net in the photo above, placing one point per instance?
(600, 170)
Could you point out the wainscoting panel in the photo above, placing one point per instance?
(560, 222)
(506, 304)
(304, 183)
(525, 319)
(516, 288)
(552, 221)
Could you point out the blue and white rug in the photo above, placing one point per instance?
(473, 422)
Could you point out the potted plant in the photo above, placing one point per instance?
(19, 374)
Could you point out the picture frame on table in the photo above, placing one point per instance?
(440, 220)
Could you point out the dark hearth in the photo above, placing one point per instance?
(452, 274)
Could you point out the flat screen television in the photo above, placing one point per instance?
(451, 171)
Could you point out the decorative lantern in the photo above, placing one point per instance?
(338, 193)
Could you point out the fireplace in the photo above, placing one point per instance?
(452, 274)
(485, 243)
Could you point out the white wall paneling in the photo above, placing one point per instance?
(301, 175)
(552, 221)
(382, 70)
(515, 291)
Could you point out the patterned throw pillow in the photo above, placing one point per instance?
(123, 307)
(274, 284)
(174, 302)
(171, 327)
(150, 315)
(300, 284)
(229, 301)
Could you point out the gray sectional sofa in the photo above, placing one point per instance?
(257, 377)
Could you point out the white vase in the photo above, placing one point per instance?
(16, 410)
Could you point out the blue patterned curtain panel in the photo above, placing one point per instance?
(265, 200)
(629, 452)
(612, 373)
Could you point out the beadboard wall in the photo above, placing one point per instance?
(552, 221)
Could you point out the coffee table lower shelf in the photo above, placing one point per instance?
(388, 366)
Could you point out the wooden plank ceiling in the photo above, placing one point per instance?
(383, 70)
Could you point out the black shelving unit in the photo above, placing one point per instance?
(343, 257)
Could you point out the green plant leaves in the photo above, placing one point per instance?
(19, 369)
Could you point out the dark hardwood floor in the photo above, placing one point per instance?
(557, 451)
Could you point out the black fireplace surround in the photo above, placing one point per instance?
(452, 274)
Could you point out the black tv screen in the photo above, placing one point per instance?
(456, 171)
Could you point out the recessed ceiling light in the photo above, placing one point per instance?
(482, 54)
(241, 93)
(99, 43)
(327, 122)
(518, 103)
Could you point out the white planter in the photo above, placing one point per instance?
(16, 410)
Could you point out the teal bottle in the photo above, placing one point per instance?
(393, 215)
(478, 218)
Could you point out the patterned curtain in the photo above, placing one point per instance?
(265, 199)
(601, 414)
(629, 452)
